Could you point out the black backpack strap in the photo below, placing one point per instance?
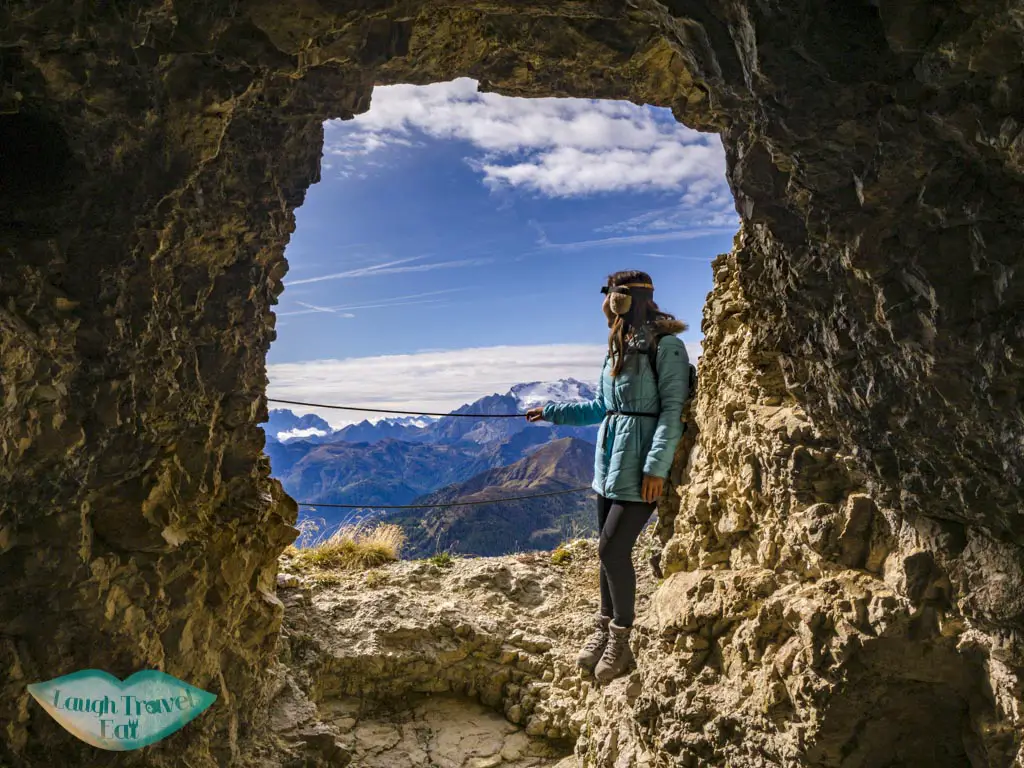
(652, 355)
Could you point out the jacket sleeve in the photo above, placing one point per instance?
(577, 414)
(673, 389)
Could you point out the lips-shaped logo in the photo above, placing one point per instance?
(103, 711)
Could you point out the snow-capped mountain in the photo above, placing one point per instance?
(413, 429)
(562, 391)
(409, 421)
(285, 426)
(521, 397)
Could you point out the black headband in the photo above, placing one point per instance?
(626, 286)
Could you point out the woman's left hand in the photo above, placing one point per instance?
(653, 487)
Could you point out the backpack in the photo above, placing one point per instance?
(652, 358)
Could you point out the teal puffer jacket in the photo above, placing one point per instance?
(628, 447)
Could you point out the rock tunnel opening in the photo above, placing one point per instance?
(873, 301)
(511, 213)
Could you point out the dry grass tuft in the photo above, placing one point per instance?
(323, 579)
(352, 548)
(442, 559)
(561, 556)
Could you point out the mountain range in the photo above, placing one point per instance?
(285, 426)
(407, 460)
(503, 527)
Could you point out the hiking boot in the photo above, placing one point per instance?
(617, 658)
(594, 647)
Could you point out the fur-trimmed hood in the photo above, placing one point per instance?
(670, 325)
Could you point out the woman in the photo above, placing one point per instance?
(640, 416)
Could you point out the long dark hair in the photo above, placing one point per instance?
(642, 310)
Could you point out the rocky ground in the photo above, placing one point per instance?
(465, 666)
(471, 665)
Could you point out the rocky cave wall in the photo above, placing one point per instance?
(861, 441)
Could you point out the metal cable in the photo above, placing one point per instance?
(449, 504)
(407, 413)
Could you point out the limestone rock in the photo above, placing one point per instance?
(736, 666)
(863, 349)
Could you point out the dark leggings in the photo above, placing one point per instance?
(620, 523)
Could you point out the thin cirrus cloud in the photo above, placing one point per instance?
(329, 310)
(394, 301)
(676, 257)
(351, 273)
(649, 237)
(664, 227)
(554, 147)
(429, 380)
(398, 266)
(706, 204)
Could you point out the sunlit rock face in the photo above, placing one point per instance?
(845, 566)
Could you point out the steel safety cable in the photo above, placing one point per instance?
(445, 504)
(407, 413)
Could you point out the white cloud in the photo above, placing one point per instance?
(556, 147)
(430, 380)
(567, 171)
(293, 434)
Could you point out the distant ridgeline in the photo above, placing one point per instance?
(414, 460)
(512, 526)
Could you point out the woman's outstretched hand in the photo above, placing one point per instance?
(535, 414)
(652, 489)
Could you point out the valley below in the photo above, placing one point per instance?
(430, 462)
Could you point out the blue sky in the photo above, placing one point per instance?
(457, 242)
